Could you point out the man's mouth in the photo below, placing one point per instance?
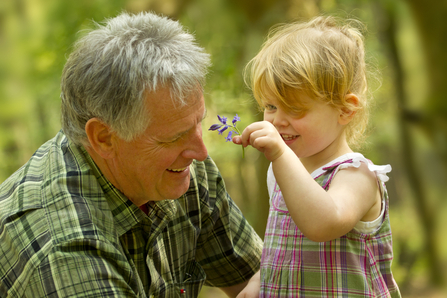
(177, 170)
(289, 137)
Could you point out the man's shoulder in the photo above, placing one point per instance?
(29, 183)
(28, 180)
(36, 164)
(52, 201)
(55, 186)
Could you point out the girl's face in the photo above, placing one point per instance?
(315, 133)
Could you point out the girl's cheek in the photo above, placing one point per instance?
(268, 117)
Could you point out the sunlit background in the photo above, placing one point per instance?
(406, 42)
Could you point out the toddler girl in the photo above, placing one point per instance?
(328, 232)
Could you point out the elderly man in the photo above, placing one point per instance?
(124, 201)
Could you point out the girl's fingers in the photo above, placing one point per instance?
(246, 136)
(252, 132)
(255, 136)
(237, 140)
(264, 137)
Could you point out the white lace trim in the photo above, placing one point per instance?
(381, 171)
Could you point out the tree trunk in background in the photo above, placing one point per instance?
(430, 18)
(386, 15)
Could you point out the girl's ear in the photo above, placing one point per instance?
(348, 112)
(100, 137)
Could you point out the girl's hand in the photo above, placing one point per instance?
(264, 137)
(253, 287)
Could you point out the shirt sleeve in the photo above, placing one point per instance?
(228, 249)
(83, 268)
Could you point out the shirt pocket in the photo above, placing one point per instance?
(192, 281)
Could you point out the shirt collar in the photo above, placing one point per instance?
(126, 214)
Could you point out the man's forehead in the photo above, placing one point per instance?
(163, 111)
(163, 98)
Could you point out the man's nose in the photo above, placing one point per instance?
(196, 149)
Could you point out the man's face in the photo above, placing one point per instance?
(155, 166)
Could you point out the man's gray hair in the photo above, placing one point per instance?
(112, 67)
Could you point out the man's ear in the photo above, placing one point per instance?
(346, 113)
(100, 137)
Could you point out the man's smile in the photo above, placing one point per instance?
(178, 170)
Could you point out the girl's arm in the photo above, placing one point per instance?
(320, 215)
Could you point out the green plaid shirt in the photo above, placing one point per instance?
(66, 231)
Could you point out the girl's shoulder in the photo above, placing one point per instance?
(355, 160)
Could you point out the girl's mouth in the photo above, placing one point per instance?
(289, 137)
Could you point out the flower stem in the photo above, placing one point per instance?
(243, 149)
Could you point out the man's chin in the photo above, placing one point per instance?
(175, 191)
(178, 194)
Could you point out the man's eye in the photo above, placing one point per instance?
(175, 140)
(170, 141)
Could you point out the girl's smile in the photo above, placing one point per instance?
(289, 139)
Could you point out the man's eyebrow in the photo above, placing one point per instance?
(180, 134)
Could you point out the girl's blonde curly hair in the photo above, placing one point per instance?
(325, 58)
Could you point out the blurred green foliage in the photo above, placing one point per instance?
(36, 37)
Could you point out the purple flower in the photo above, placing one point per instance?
(222, 119)
(215, 127)
(236, 119)
(224, 126)
(229, 138)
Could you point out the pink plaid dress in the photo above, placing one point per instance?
(357, 264)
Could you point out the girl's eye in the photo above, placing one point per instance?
(298, 113)
(269, 107)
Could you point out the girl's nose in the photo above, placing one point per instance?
(280, 118)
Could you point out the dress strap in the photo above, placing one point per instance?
(330, 169)
(350, 160)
